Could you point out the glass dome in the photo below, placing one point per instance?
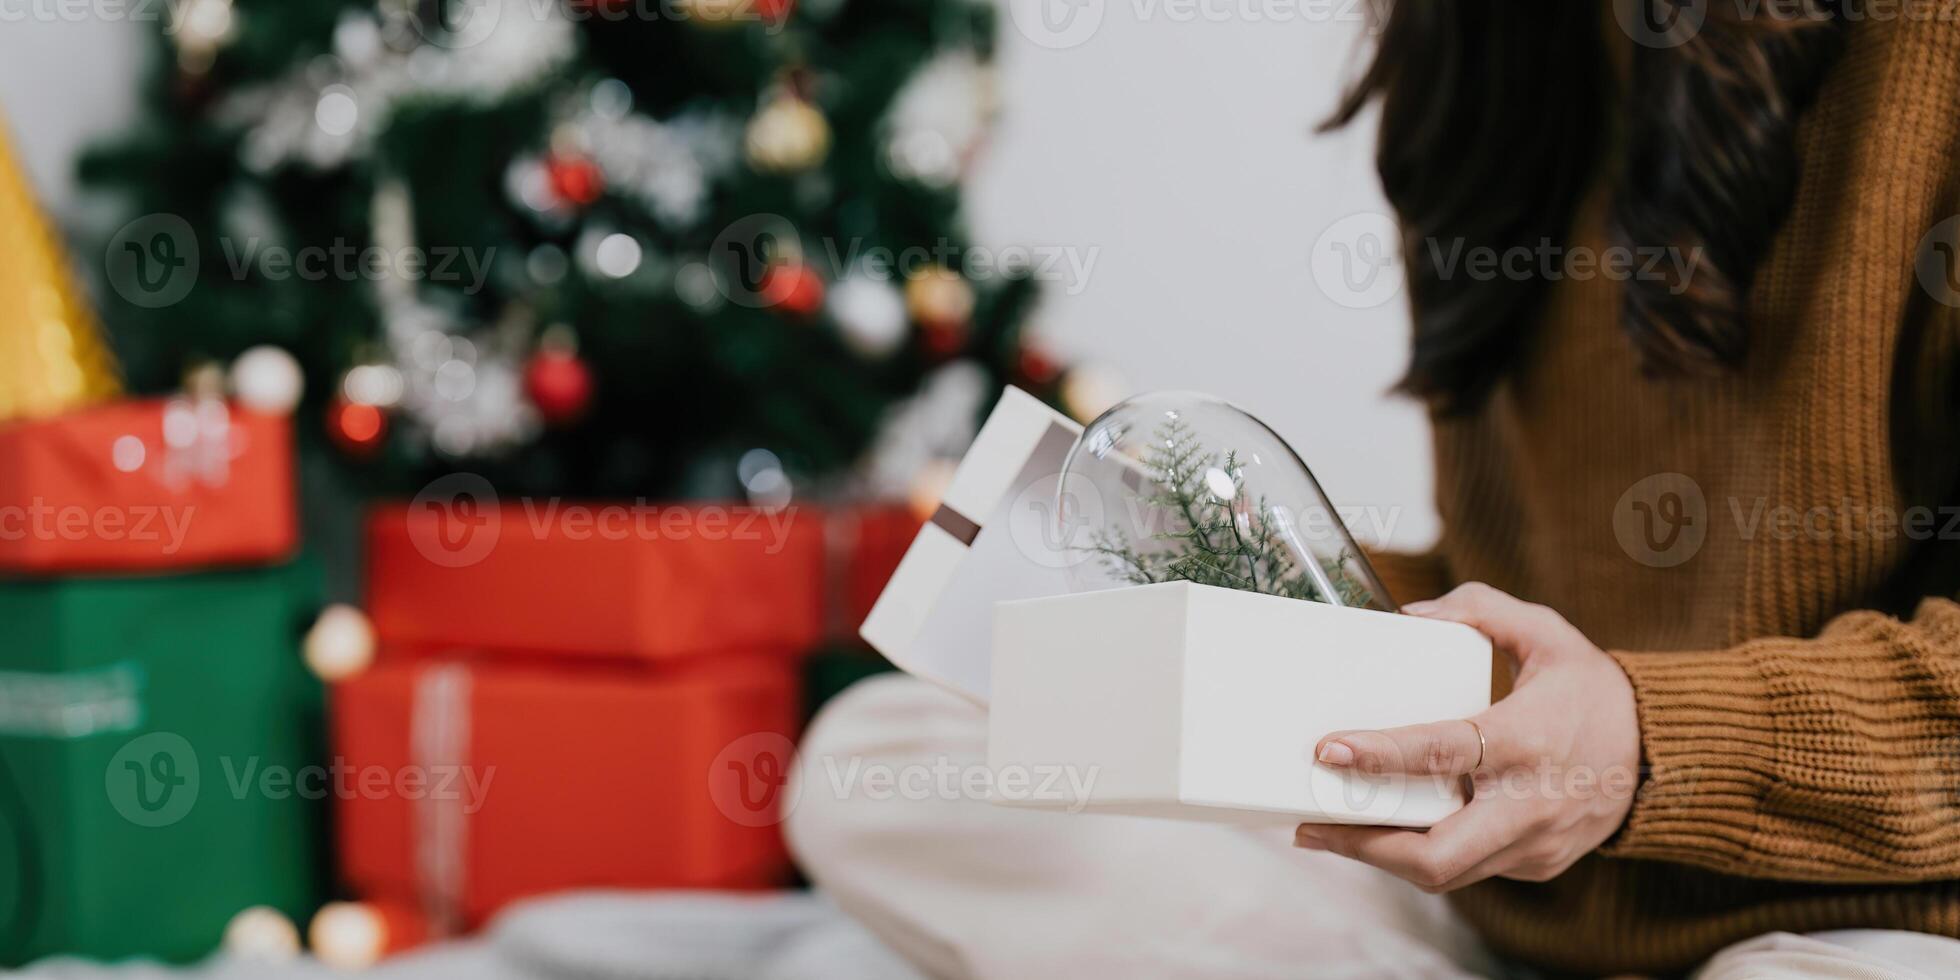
(1180, 486)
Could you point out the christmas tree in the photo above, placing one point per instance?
(595, 247)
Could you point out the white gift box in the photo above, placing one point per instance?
(1172, 700)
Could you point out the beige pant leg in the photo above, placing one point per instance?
(1851, 954)
(967, 889)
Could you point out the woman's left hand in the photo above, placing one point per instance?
(1554, 770)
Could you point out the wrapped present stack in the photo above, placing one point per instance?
(151, 693)
(566, 696)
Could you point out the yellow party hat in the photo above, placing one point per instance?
(52, 354)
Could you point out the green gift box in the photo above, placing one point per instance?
(156, 735)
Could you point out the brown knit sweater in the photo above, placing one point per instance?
(1794, 650)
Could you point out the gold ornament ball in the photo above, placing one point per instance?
(939, 297)
(929, 488)
(341, 643)
(787, 135)
(1090, 390)
(715, 13)
(348, 936)
(263, 935)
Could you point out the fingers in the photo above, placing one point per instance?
(1522, 861)
(1446, 748)
(1513, 624)
(1462, 849)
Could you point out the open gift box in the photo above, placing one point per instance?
(1177, 699)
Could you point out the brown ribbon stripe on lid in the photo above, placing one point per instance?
(962, 528)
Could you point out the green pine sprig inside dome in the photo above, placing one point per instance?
(1212, 533)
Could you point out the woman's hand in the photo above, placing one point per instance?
(1554, 771)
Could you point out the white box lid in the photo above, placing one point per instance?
(992, 539)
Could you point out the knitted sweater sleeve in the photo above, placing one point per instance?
(1834, 759)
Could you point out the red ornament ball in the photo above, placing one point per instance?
(793, 288)
(942, 339)
(560, 384)
(356, 427)
(774, 11)
(575, 178)
(1037, 368)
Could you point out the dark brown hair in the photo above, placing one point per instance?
(1500, 117)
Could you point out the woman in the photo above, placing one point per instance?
(1707, 498)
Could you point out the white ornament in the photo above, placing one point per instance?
(267, 379)
(202, 29)
(938, 423)
(870, 313)
(617, 255)
(348, 936)
(326, 113)
(528, 182)
(696, 286)
(207, 21)
(667, 166)
(262, 935)
(340, 645)
(611, 99)
(938, 119)
(357, 39)
(379, 385)
(453, 386)
(337, 111)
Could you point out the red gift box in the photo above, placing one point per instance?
(462, 788)
(456, 570)
(145, 485)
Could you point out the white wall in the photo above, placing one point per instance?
(1173, 142)
(63, 81)
(1184, 151)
